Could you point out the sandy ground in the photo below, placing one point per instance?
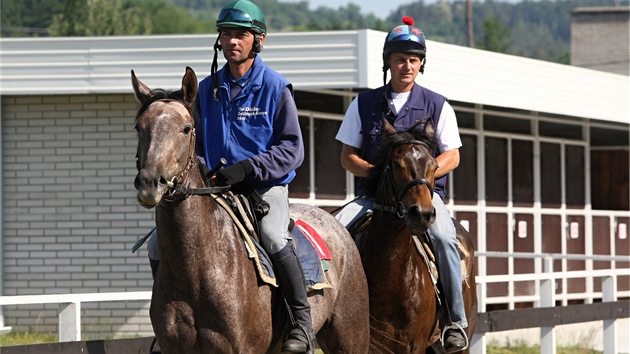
(585, 335)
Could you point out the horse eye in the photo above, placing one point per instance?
(187, 130)
(138, 130)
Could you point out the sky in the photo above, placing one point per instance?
(380, 8)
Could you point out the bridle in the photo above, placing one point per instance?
(177, 180)
(398, 208)
(175, 186)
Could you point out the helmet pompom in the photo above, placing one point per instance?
(407, 20)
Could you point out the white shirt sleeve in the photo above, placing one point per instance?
(447, 132)
(350, 130)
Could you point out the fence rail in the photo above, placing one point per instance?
(546, 296)
(546, 316)
(70, 307)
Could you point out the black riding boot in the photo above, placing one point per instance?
(154, 263)
(154, 266)
(291, 282)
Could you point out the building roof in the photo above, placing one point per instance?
(594, 9)
(344, 60)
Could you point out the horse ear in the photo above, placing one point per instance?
(429, 129)
(387, 127)
(189, 85)
(141, 91)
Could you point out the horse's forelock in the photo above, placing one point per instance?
(386, 142)
(160, 94)
(430, 140)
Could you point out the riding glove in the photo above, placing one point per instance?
(234, 174)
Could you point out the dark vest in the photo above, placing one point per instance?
(422, 105)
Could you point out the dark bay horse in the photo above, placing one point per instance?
(404, 310)
(207, 297)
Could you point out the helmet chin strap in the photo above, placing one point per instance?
(213, 68)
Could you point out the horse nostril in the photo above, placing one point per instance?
(136, 182)
(429, 215)
(414, 211)
(146, 179)
(162, 181)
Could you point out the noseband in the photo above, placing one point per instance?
(387, 183)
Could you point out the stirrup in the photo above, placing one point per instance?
(309, 344)
(459, 328)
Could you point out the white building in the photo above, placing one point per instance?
(544, 167)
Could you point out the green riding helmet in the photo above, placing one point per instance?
(242, 13)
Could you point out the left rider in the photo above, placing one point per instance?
(247, 115)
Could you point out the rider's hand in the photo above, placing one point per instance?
(234, 174)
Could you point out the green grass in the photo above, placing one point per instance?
(522, 348)
(23, 338)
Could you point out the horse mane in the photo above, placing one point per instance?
(161, 94)
(385, 142)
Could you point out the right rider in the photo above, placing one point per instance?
(404, 103)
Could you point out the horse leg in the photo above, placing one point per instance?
(347, 329)
(173, 327)
(345, 334)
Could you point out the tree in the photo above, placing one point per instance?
(495, 36)
(98, 18)
(28, 17)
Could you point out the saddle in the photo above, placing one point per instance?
(310, 249)
(424, 246)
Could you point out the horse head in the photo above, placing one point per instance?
(408, 176)
(165, 126)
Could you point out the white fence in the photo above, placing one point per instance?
(70, 304)
(546, 294)
(70, 307)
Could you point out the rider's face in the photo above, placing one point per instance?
(404, 68)
(237, 44)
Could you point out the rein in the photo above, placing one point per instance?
(187, 191)
(399, 208)
(175, 185)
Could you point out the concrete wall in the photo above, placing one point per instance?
(600, 39)
(70, 213)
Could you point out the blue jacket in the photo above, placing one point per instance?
(260, 124)
(422, 105)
